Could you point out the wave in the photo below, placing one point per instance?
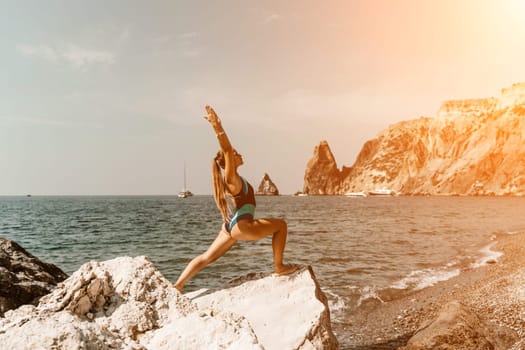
(336, 303)
(358, 271)
(489, 256)
(368, 293)
(334, 259)
(420, 279)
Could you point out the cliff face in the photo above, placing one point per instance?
(471, 147)
(267, 187)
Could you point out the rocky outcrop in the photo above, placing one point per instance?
(126, 303)
(322, 175)
(267, 187)
(470, 107)
(458, 328)
(103, 305)
(23, 277)
(472, 147)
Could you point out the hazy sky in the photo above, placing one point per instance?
(107, 97)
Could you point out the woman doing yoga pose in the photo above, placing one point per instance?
(242, 225)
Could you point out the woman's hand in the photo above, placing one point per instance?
(212, 117)
(215, 122)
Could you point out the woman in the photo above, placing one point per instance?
(242, 225)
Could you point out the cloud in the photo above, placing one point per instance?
(301, 103)
(80, 57)
(41, 51)
(310, 105)
(187, 45)
(191, 52)
(125, 35)
(188, 35)
(272, 18)
(74, 55)
(10, 120)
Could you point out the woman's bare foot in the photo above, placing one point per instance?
(179, 288)
(285, 270)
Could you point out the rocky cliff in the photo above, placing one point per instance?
(472, 147)
(267, 187)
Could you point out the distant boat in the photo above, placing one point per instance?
(300, 194)
(356, 194)
(185, 193)
(381, 192)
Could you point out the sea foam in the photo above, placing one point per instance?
(420, 279)
(489, 255)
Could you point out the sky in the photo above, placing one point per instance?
(107, 97)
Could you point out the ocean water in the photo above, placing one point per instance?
(359, 247)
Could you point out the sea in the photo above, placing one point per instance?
(358, 247)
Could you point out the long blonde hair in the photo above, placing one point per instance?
(219, 186)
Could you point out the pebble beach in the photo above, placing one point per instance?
(494, 293)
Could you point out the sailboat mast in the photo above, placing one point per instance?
(185, 176)
(185, 192)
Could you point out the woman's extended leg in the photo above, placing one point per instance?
(256, 229)
(218, 248)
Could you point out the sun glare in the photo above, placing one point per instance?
(518, 8)
(513, 16)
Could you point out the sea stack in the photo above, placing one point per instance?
(322, 177)
(267, 187)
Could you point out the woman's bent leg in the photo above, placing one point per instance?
(218, 248)
(257, 229)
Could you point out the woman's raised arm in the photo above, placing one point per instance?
(233, 180)
(215, 122)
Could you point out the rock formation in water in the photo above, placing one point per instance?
(472, 147)
(322, 175)
(126, 303)
(267, 187)
(23, 277)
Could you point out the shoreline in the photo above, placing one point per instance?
(493, 291)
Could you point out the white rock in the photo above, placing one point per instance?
(286, 312)
(103, 305)
(198, 331)
(126, 303)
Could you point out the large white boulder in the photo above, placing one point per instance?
(286, 312)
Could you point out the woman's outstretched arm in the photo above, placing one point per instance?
(232, 179)
(215, 122)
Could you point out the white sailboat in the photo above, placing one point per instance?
(185, 193)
